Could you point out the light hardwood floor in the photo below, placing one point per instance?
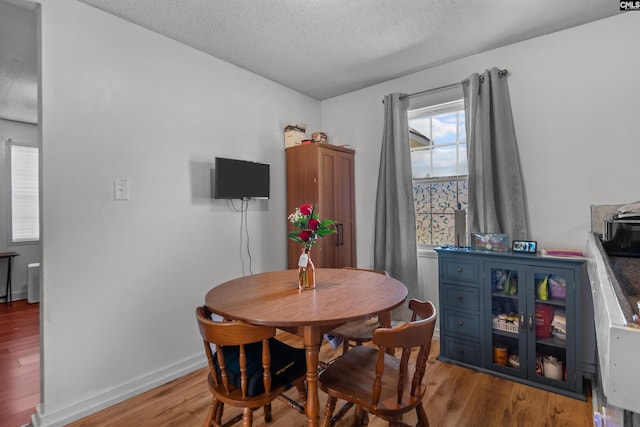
(455, 397)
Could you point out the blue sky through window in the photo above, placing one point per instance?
(447, 155)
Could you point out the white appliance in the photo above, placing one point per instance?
(618, 343)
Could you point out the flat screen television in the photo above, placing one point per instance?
(240, 179)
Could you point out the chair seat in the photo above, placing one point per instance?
(287, 364)
(353, 374)
(358, 330)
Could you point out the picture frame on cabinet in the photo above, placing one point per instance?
(525, 246)
(490, 241)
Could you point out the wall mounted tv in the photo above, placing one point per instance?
(240, 179)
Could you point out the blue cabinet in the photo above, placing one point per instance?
(462, 308)
(514, 316)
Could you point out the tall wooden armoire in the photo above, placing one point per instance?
(323, 175)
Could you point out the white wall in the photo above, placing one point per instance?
(27, 134)
(122, 278)
(574, 96)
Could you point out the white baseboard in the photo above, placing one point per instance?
(121, 393)
(18, 295)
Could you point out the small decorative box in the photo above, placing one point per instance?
(293, 135)
(490, 241)
(320, 137)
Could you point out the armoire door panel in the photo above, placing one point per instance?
(323, 175)
(346, 210)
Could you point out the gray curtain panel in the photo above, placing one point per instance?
(496, 189)
(395, 249)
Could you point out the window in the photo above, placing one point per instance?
(440, 173)
(24, 193)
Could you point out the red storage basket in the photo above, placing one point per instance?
(544, 317)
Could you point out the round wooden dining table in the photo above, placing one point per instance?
(340, 296)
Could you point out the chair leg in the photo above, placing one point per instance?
(218, 413)
(396, 421)
(364, 415)
(343, 410)
(302, 391)
(423, 421)
(212, 409)
(247, 417)
(328, 411)
(267, 413)
(361, 416)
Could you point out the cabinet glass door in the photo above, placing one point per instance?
(549, 332)
(507, 304)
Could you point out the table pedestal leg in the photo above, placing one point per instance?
(312, 340)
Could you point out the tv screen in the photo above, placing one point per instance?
(240, 179)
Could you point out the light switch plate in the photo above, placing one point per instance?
(120, 189)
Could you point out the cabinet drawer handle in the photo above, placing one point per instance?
(461, 350)
(459, 269)
(530, 322)
(522, 319)
(460, 323)
(459, 297)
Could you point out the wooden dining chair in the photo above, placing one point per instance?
(378, 382)
(357, 332)
(248, 368)
(353, 334)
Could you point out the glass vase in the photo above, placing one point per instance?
(306, 271)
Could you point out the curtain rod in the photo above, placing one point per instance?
(449, 86)
(435, 89)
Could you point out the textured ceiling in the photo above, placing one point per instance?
(325, 48)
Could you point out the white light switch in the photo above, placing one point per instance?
(120, 189)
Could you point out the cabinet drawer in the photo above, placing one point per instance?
(461, 298)
(462, 323)
(462, 270)
(463, 351)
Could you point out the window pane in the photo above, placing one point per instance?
(463, 194)
(444, 161)
(443, 231)
(463, 165)
(422, 198)
(445, 196)
(423, 229)
(462, 129)
(445, 128)
(421, 124)
(25, 208)
(435, 206)
(421, 163)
